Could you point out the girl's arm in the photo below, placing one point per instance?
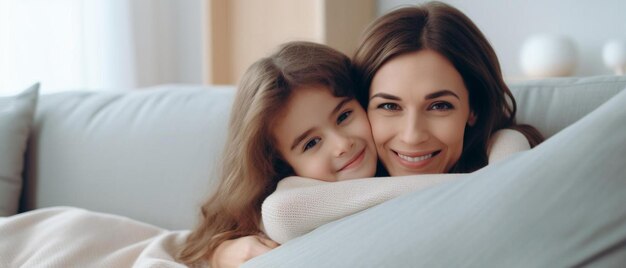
(300, 205)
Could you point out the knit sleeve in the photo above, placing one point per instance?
(504, 143)
(299, 205)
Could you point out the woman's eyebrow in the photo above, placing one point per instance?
(385, 96)
(441, 93)
(433, 95)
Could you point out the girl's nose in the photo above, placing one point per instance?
(342, 144)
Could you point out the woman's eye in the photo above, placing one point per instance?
(343, 116)
(441, 106)
(310, 144)
(389, 106)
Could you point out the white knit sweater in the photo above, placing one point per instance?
(299, 205)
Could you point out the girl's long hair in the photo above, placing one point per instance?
(251, 165)
(447, 31)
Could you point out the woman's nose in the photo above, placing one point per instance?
(415, 130)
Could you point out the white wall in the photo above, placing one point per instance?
(508, 23)
(166, 38)
(168, 41)
(99, 44)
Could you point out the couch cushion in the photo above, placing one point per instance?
(147, 154)
(16, 116)
(552, 104)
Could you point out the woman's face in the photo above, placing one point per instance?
(325, 137)
(418, 110)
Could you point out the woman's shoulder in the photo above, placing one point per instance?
(504, 143)
(508, 133)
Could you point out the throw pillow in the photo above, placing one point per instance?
(16, 116)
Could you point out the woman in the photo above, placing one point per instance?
(409, 103)
(433, 51)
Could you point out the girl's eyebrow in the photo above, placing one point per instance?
(301, 137)
(339, 106)
(433, 95)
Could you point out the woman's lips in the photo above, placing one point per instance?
(415, 161)
(354, 161)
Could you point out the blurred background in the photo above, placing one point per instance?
(125, 44)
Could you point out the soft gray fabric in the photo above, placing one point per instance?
(553, 104)
(16, 116)
(558, 205)
(147, 154)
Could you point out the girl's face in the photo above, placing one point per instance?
(418, 110)
(325, 137)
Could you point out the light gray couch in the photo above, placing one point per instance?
(151, 154)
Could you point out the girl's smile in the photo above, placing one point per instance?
(354, 162)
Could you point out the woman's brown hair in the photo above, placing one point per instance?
(447, 31)
(251, 165)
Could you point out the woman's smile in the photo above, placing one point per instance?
(418, 158)
(422, 162)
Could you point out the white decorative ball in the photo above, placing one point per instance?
(614, 56)
(547, 55)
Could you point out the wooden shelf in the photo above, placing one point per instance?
(239, 32)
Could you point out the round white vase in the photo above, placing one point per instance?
(614, 56)
(548, 55)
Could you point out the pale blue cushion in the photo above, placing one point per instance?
(16, 116)
(552, 104)
(561, 204)
(148, 154)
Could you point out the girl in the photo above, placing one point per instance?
(294, 114)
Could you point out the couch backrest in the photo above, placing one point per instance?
(553, 104)
(147, 154)
(152, 154)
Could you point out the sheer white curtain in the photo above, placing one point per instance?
(99, 44)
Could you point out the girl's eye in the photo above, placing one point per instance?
(389, 106)
(310, 144)
(441, 106)
(343, 116)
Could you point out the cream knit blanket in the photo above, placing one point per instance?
(299, 205)
(72, 237)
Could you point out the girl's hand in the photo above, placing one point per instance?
(233, 253)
